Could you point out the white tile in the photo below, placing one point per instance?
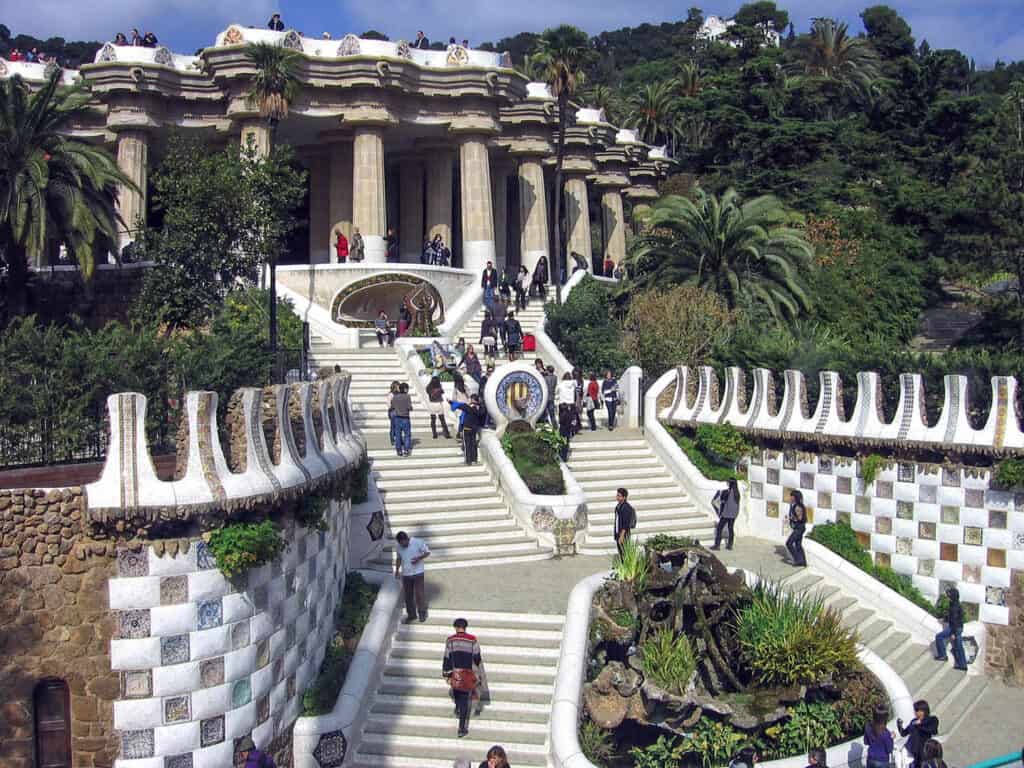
(1015, 559)
(261, 625)
(131, 593)
(183, 562)
(974, 517)
(994, 614)
(841, 502)
(173, 619)
(210, 702)
(238, 722)
(970, 555)
(883, 507)
(972, 593)
(204, 585)
(949, 534)
(175, 739)
(883, 543)
(904, 564)
(217, 756)
(948, 571)
(923, 548)
(927, 513)
(951, 496)
(240, 663)
(278, 697)
(262, 680)
(237, 607)
(863, 523)
(207, 643)
(178, 678)
(997, 538)
(928, 585)
(277, 644)
(995, 577)
(137, 714)
(143, 653)
(904, 529)
(264, 732)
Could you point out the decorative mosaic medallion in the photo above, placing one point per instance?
(825, 465)
(904, 546)
(263, 709)
(132, 562)
(772, 509)
(883, 525)
(996, 558)
(973, 536)
(136, 745)
(789, 459)
(233, 36)
(211, 731)
(241, 693)
(824, 500)
(349, 46)
(137, 685)
(403, 50)
(974, 497)
(174, 649)
(906, 472)
(178, 761)
(844, 485)
(806, 480)
(926, 531)
(211, 614)
(843, 517)
(862, 506)
(928, 494)
(133, 625)
(376, 527)
(1018, 540)
(173, 590)
(950, 515)
(757, 490)
(292, 40)
(972, 574)
(995, 596)
(263, 653)
(883, 489)
(204, 558)
(951, 477)
(176, 709)
(883, 560)
(240, 635)
(948, 552)
(925, 567)
(520, 396)
(330, 750)
(211, 672)
(905, 510)
(997, 519)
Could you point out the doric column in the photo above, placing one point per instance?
(533, 212)
(341, 189)
(499, 202)
(368, 208)
(132, 158)
(439, 194)
(577, 218)
(320, 210)
(614, 224)
(410, 205)
(477, 211)
(257, 131)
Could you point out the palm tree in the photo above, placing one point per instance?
(830, 53)
(689, 80)
(654, 108)
(562, 51)
(603, 97)
(274, 87)
(741, 251)
(531, 68)
(50, 181)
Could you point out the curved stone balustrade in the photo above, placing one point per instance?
(129, 486)
(136, 54)
(701, 398)
(35, 71)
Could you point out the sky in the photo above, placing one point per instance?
(985, 30)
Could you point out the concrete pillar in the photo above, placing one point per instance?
(320, 243)
(533, 213)
(614, 224)
(341, 190)
(577, 217)
(477, 211)
(410, 205)
(132, 158)
(499, 203)
(368, 208)
(257, 131)
(439, 195)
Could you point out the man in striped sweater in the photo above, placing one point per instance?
(460, 668)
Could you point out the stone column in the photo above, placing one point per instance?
(439, 194)
(499, 203)
(320, 243)
(341, 190)
(614, 224)
(132, 158)
(410, 207)
(477, 211)
(533, 212)
(577, 218)
(368, 209)
(258, 132)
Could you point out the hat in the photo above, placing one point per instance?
(245, 744)
(460, 623)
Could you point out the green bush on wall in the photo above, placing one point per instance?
(722, 441)
(1010, 473)
(535, 457)
(700, 460)
(238, 547)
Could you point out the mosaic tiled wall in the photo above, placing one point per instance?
(940, 525)
(204, 661)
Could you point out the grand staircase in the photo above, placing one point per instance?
(528, 318)
(411, 722)
(603, 461)
(951, 694)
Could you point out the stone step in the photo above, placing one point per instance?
(690, 527)
(432, 530)
(906, 656)
(638, 493)
(502, 655)
(421, 462)
(476, 553)
(494, 731)
(841, 603)
(431, 706)
(663, 482)
(473, 476)
(484, 538)
(436, 686)
(491, 632)
(649, 505)
(853, 619)
(415, 494)
(478, 514)
(954, 710)
(420, 508)
(496, 672)
(874, 630)
(445, 748)
(651, 467)
(606, 546)
(605, 445)
(940, 683)
(595, 460)
(888, 646)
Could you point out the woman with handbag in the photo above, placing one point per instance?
(727, 504)
(590, 400)
(798, 524)
(461, 663)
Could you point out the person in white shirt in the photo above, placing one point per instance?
(411, 554)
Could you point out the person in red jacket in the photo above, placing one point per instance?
(461, 668)
(341, 247)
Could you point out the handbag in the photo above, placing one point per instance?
(589, 404)
(462, 680)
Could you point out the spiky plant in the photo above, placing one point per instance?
(276, 81)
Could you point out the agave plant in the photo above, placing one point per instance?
(632, 566)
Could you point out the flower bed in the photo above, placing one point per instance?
(535, 457)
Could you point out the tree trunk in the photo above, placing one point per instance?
(17, 282)
(559, 254)
(273, 308)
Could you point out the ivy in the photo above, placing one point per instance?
(238, 547)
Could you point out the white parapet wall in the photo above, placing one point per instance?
(567, 708)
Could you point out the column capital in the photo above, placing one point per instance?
(641, 193)
(364, 116)
(474, 126)
(526, 146)
(610, 179)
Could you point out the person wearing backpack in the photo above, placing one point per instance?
(727, 503)
(253, 757)
(625, 518)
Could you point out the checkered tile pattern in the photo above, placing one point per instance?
(941, 526)
(204, 661)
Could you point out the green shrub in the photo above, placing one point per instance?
(320, 697)
(664, 542)
(535, 457)
(703, 464)
(862, 695)
(788, 638)
(809, 725)
(870, 466)
(311, 511)
(723, 441)
(585, 330)
(714, 742)
(596, 743)
(624, 618)
(356, 603)
(666, 752)
(361, 482)
(241, 546)
(1010, 473)
(632, 566)
(669, 660)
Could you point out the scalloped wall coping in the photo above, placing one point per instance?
(572, 664)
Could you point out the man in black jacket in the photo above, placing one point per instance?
(625, 518)
(421, 41)
(473, 419)
(275, 23)
(953, 632)
(489, 282)
(924, 726)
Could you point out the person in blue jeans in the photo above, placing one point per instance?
(610, 393)
(401, 404)
(953, 632)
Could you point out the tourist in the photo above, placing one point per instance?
(745, 758)
(620, 272)
(421, 42)
(625, 518)
(119, 39)
(402, 406)
(17, 55)
(382, 327)
(427, 254)
(435, 404)
(393, 390)
(609, 266)
(471, 364)
(798, 523)
(465, 43)
(578, 262)
(924, 726)
(136, 38)
(341, 247)
(540, 277)
(878, 739)
(460, 396)
(727, 503)
(591, 400)
(473, 419)
(578, 387)
(953, 632)
(461, 662)
(816, 757)
(931, 755)
(404, 320)
(411, 554)
(489, 335)
(460, 349)
(358, 248)
(489, 282)
(444, 258)
(496, 758)
(505, 287)
(451, 41)
(513, 336)
(391, 246)
(610, 393)
(149, 40)
(488, 421)
(565, 396)
(552, 381)
(275, 23)
(252, 757)
(522, 287)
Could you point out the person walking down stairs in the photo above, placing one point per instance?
(727, 503)
(610, 391)
(435, 398)
(625, 518)
(409, 566)
(462, 662)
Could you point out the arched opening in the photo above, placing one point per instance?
(52, 711)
